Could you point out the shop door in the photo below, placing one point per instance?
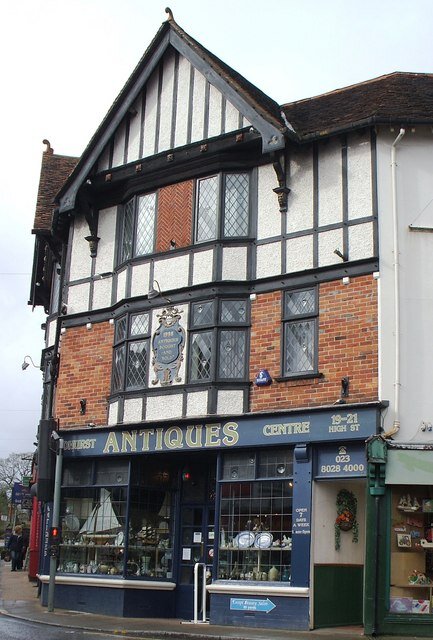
(196, 534)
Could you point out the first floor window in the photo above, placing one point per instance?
(137, 227)
(300, 310)
(131, 352)
(218, 340)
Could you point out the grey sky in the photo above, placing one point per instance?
(65, 61)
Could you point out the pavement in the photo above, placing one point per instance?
(19, 599)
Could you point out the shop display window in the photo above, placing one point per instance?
(255, 531)
(105, 531)
(411, 550)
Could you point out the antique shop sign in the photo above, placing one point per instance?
(339, 461)
(245, 431)
(167, 345)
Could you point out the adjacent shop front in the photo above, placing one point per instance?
(142, 505)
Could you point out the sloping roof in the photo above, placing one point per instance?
(55, 169)
(393, 98)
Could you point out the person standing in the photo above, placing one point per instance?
(15, 546)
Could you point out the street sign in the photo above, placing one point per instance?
(251, 604)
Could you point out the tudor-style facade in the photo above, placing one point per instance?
(210, 273)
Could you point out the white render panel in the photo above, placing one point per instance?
(119, 146)
(51, 333)
(232, 117)
(150, 115)
(132, 410)
(196, 403)
(361, 241)
(113, 411)
(328, 242)
(202, 267)
(182, 102)
(165, 124)
(230, 401)
(268, 215)
(215, 102)
(299, 253)
(78, 298)
(81, 262)
(268, 260)
(172, 273)
(104, 261)
(104, 159)
(102, 293)
(164, 407)
(234, 263)
(140, 280)
(299, 215)
(121, 285)
(134, 131)
(359, 187)
(198, 107)
(330, 183)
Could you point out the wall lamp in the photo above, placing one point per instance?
(155, 293)
(26, 364)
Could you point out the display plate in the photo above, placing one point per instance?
(244, 540)
(263, 540)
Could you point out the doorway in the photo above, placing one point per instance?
(196, 531)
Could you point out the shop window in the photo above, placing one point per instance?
(256, 517)
(131, 352)
(137, 228)
(222, 209)
(411, 550)
(97, 536)
(218, 340)
(300, 310)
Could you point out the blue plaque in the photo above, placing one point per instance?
(167, 344)
(263, 378)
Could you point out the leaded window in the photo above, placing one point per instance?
(218, 340)
(223, 206)
(300, 312)
(137, 229)
(131, 352)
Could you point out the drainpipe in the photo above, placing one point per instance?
(396, 425)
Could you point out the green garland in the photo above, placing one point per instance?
(346, 516)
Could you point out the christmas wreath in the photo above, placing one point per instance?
(346, 516)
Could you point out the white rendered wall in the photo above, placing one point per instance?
(81, 262)
(230, 402)
(202, 267)
(140, 279)
(234, 263)
(196, 403)
(78, 298)
(166, 103)
(102, 293)
(164, 407)
(104, 261)
(172, 273)
(269, 216)
(414, 157)
(268, 260)
(300, 201)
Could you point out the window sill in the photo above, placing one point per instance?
(300, 376)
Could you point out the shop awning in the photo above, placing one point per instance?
(409, 466)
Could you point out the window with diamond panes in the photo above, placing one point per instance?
(131, 352)
(223, 207)
(300, 332)
(215, 350)
(138, 227)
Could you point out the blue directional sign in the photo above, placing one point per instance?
(251, 604)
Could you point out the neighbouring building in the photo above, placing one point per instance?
(234, 357)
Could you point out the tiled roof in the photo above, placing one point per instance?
(396, 98)
(54, 171)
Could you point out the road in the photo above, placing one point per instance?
(13, 629)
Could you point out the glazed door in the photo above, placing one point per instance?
(196, 534)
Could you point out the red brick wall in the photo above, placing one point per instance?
(347, 347)
(85, 372)
(174, 220)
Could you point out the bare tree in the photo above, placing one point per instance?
(13, 469)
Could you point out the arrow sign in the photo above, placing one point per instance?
(249, 604)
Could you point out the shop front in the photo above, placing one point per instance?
(141, 507)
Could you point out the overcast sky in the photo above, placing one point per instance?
(65, 61)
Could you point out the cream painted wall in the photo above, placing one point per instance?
(325, 512)
(414, 157)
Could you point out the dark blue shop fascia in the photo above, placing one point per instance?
(332, 424)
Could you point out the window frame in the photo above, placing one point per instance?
(221, 207)
(125, 341)
(134, 202)
(215, 326)
(289, 319)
